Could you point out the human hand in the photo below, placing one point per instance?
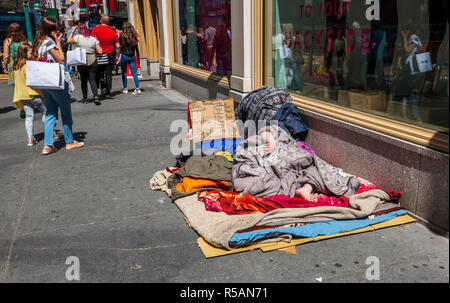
(405, 34)
(269, 142)
(117, 60)
(57, 36)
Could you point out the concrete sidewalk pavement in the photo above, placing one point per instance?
(95, 204)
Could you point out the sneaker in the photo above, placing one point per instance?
(74, 145)
(137, 91)
(125, 91)
(97, 101)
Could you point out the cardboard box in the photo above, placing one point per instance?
(212, 120)
(373, 100)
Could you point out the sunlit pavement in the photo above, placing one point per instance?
(95, 204)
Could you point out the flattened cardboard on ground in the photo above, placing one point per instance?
(210, 251)
(212, 120)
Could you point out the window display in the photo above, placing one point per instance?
(388, 58)
(204, 37)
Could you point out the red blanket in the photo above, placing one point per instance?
(241, 204)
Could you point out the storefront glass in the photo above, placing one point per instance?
(388, 58)
(204, 35)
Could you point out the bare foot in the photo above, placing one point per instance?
(306, 193)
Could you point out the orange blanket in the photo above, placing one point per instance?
(189, 185)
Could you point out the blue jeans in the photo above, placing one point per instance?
(30, 106)
(297, 80)
(415, 109)
(55, 99)
(131, 61)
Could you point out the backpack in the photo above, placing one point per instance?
(13, 49)
(262, 104)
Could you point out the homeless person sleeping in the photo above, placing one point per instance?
(271, 185)
(272, 163)
(272, 188)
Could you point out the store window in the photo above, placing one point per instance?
(388, 57)
(204, 35)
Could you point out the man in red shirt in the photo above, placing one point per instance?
(108, 41)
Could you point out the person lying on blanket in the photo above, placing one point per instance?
(272, 163)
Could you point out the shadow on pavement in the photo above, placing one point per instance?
(78, 136)
(7, 109)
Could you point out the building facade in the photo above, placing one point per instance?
(370, 77)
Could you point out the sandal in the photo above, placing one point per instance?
(32, 142)
(74, 145)
(49, 150)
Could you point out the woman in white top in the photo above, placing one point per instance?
(87, 72)
(47, 45)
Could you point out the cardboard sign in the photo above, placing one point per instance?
(212, 120)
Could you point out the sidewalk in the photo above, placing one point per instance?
(95, 204)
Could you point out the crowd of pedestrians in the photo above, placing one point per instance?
(106, 49)
(208, 48)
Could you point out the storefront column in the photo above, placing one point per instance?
(165, 42)
(241, 82)
(130, 11)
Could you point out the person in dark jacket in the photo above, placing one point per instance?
(129, 55)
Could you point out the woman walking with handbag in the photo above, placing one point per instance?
(47, 46)
(404, 80)
(129, 52)
(14, 37)
(87, 72)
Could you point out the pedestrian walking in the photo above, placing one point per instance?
(84, 40)
(14, 37)
(222, 46)
(47, 45)
(73, 29)
(129, 55)
(116, 66)
(108, 41)
(25, 97)
(210, 34)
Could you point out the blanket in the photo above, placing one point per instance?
(200, 170)
(312, 230)
(285, 169)
(217, 228)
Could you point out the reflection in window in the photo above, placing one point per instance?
(389, 59)
(205, 35)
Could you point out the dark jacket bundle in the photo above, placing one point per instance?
(197, 168)
(290, 119)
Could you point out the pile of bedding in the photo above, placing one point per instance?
(250, 193)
